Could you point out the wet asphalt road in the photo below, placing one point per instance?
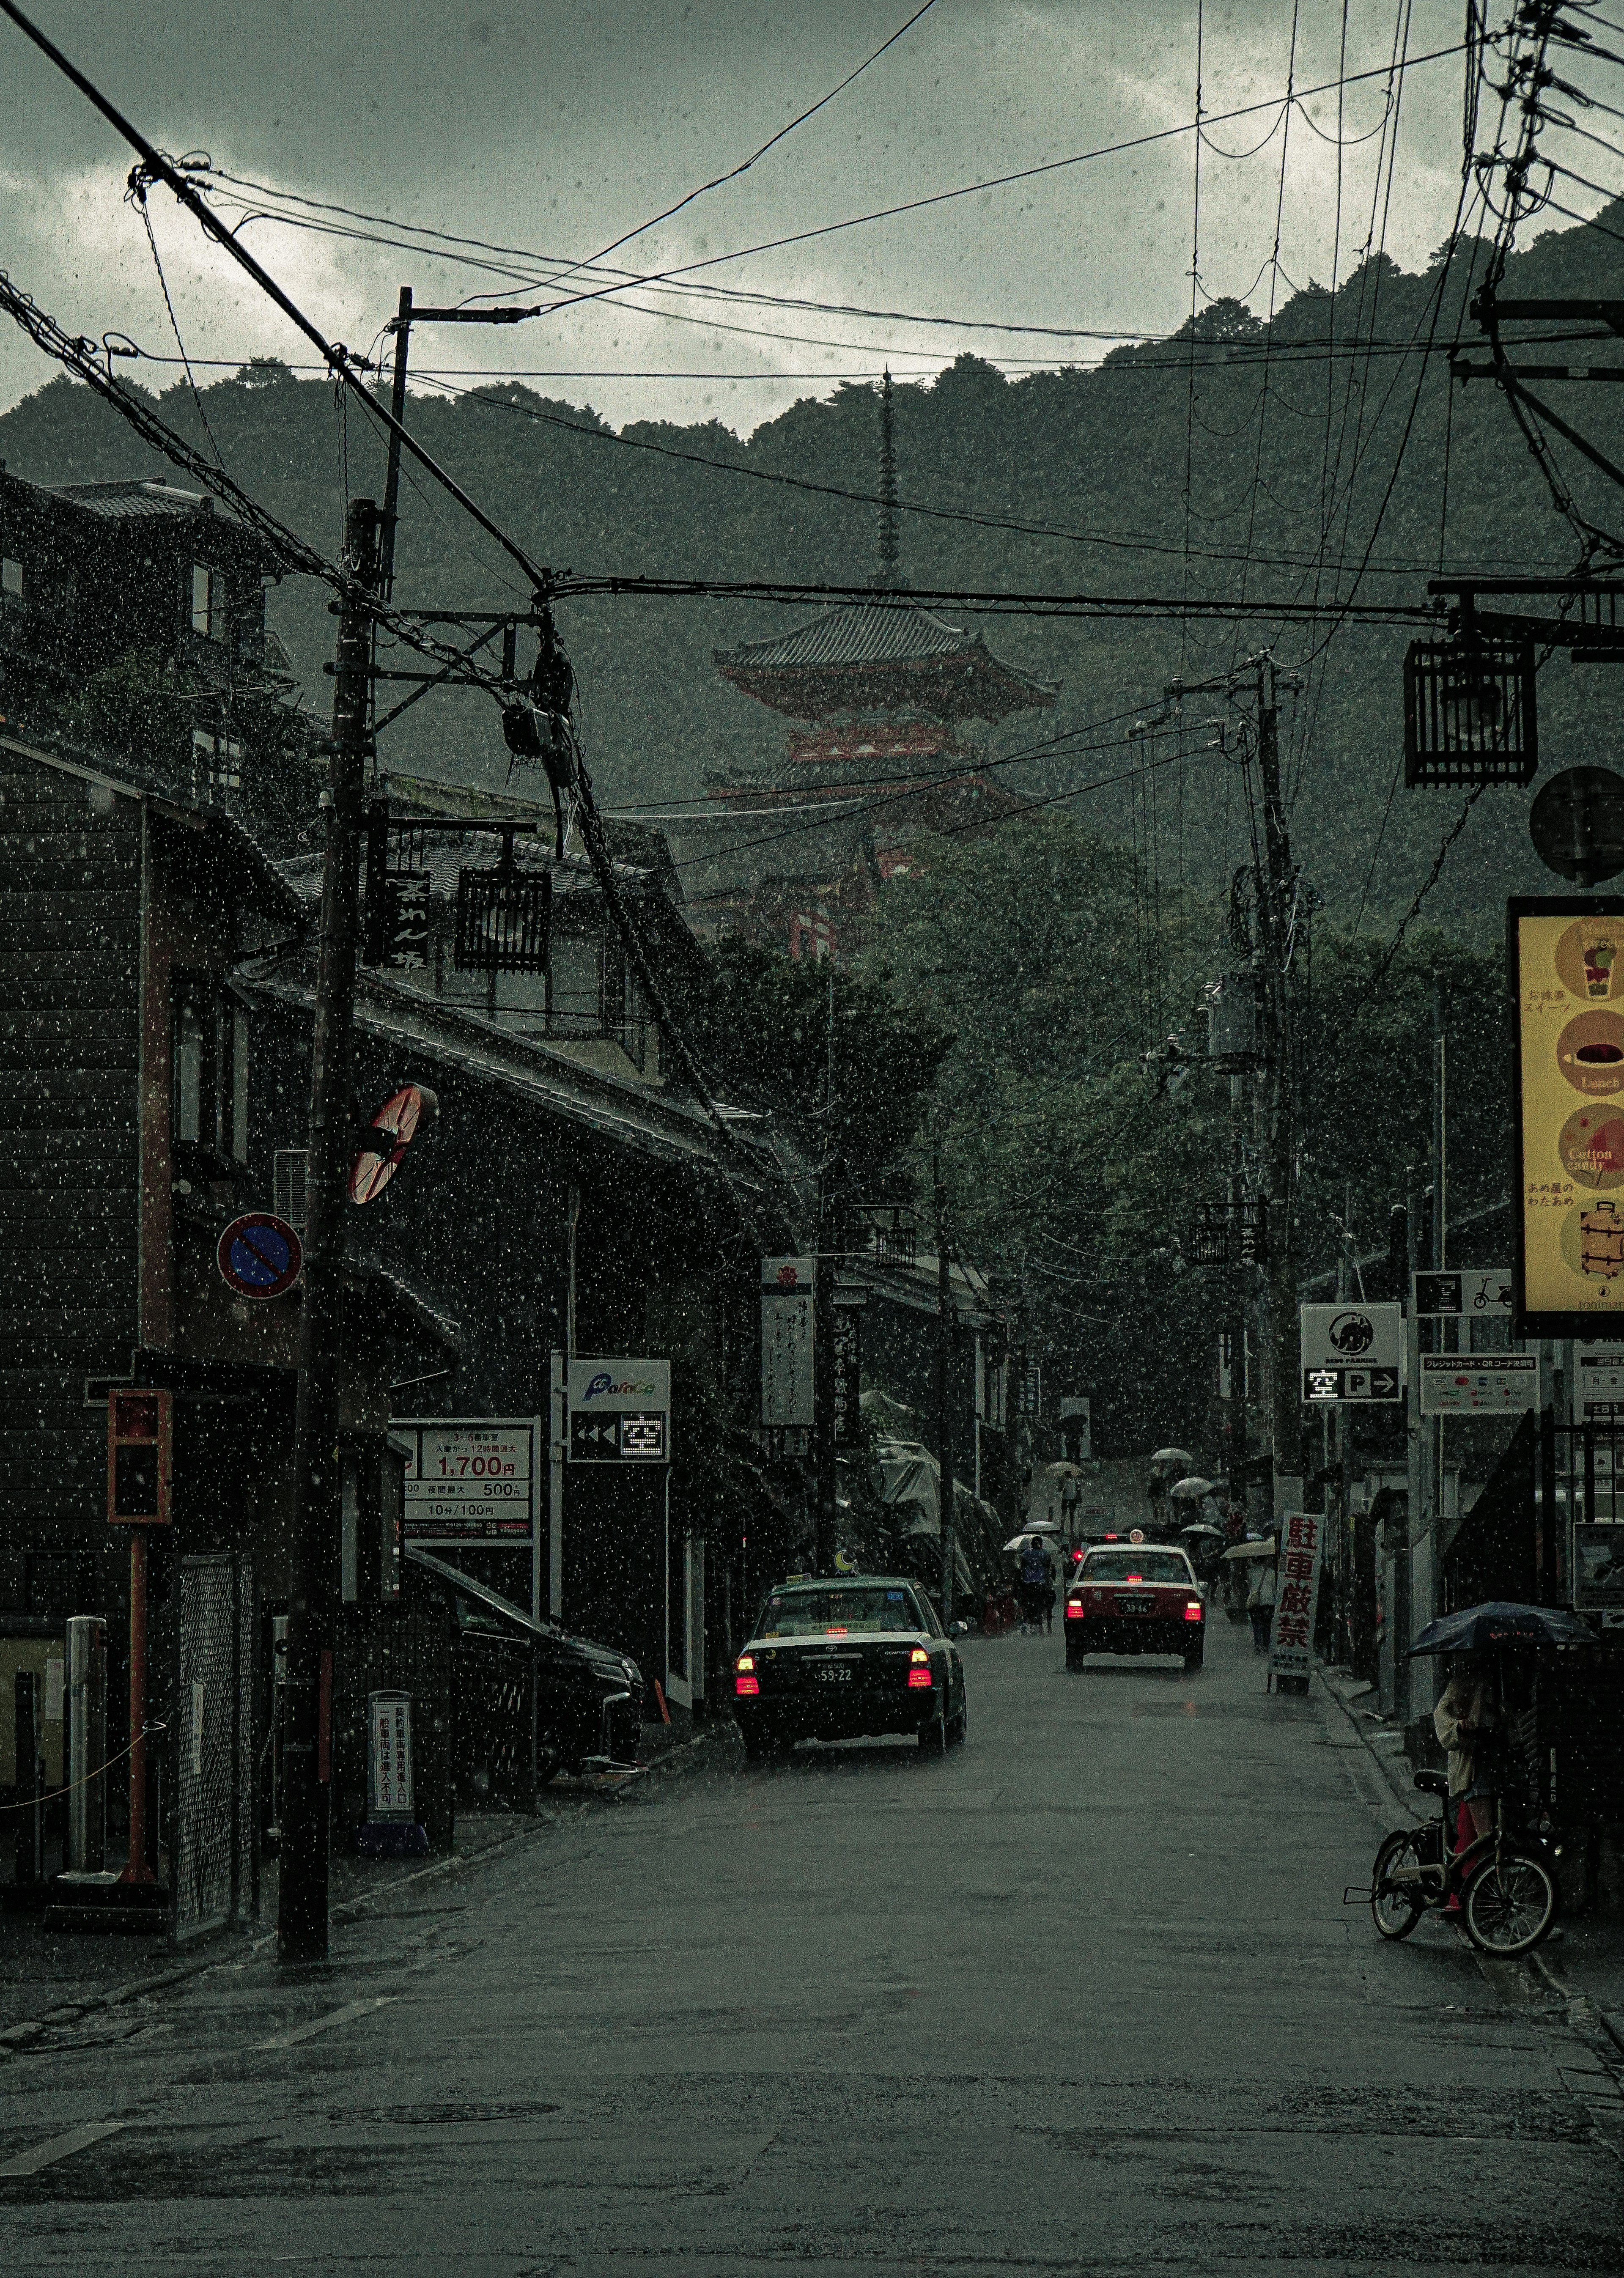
(1082, 1998)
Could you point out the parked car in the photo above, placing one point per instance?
(843, 1660)
(1135, 1597)
(531, 1700)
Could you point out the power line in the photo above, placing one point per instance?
(771, 143)
(1001, 181)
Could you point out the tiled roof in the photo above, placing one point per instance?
(868, 632)
(885, 654)
(130, 502)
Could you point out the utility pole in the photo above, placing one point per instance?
(301, 1902)
(829, 1217)
(397, 405)
(946, 1323)
(1276, 1106)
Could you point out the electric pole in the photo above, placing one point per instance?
(301, 1898)
(946, 1324)
(1277, 1104)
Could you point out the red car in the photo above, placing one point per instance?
(1135, 1597)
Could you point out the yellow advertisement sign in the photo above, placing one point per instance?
(1567, 971)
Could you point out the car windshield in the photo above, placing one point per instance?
(1135, 1566)
(834, 1612)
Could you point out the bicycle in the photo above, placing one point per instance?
(1507, 1898)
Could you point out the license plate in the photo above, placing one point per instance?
(1135, 1605)
(832, 1676)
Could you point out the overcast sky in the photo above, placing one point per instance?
(553, 125)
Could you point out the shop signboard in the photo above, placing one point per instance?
(620, 1410)
(470, 1480)
(1479, 1384)
(1566, 967)
(1297, 1594)
(1352, 1351)
(1600, 1385)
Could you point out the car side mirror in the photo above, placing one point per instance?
(961, 1629)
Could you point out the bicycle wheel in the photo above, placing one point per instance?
(1396, 1907)
(1510, 1902)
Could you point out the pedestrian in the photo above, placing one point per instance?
(1464, 1721)
(1260, 1601)
(1037, 1585)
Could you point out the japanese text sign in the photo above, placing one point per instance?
(1302, 1550)
(1351, 1352)
(469, 1478)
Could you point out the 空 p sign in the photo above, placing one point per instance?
(619, 1411)
(1351, 1352)
(259, 1256)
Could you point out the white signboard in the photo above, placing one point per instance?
(1601, 1383)
(786, 1370)
(389, 1757)
(1479, 1384)
(1302, 1553)
(470, 1479)
(1481, 1293)
(619, 1411)
(1351, 1352)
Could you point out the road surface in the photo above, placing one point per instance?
(1082, 1998)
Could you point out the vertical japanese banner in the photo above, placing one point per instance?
(1303, 1549)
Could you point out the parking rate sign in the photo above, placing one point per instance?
(1302, 1550)
(1351, 1352)
(470, 1480)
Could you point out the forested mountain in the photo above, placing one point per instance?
(1306, 445)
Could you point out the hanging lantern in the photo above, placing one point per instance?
(502, 920)
(1470, 712)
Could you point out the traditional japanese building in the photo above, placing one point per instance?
(882, 694)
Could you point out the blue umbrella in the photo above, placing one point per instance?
(1498, 1622)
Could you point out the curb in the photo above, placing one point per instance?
(1404, 1798)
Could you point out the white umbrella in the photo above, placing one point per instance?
(1035, 1532)
(1172, 1455)
(1265, 1550)
(1190, 1490)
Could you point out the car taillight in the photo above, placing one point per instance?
(1192, 1610)
(744, 1682)
(918, 1673)
(1074, 1610)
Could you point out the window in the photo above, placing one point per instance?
(1135, 1565)
(204, 587)
(11, 578)
(839, 1611)
(210, 1100)
(188, 1128)
(217, 762)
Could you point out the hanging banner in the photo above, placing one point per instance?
(848, 1374)
(1303, 1549)
(787, 1332)
(1565, 970)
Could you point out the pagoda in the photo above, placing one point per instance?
(881, 692)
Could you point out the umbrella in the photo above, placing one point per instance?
(1200, 1527)
(1036, 1533)
(1064, 1471)
(1172, 1455)
(1265, 1550)
(1497, 1622)
(1190, 1490)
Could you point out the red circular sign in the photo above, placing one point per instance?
(259, 1256)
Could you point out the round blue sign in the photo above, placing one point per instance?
(259, 1256)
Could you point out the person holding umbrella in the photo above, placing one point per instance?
(1261, 1599)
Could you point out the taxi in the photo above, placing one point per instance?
(847, 1659)
(1135, 1597)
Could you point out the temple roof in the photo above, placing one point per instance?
(889, 656)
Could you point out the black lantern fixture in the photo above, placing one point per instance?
(1470, 712)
